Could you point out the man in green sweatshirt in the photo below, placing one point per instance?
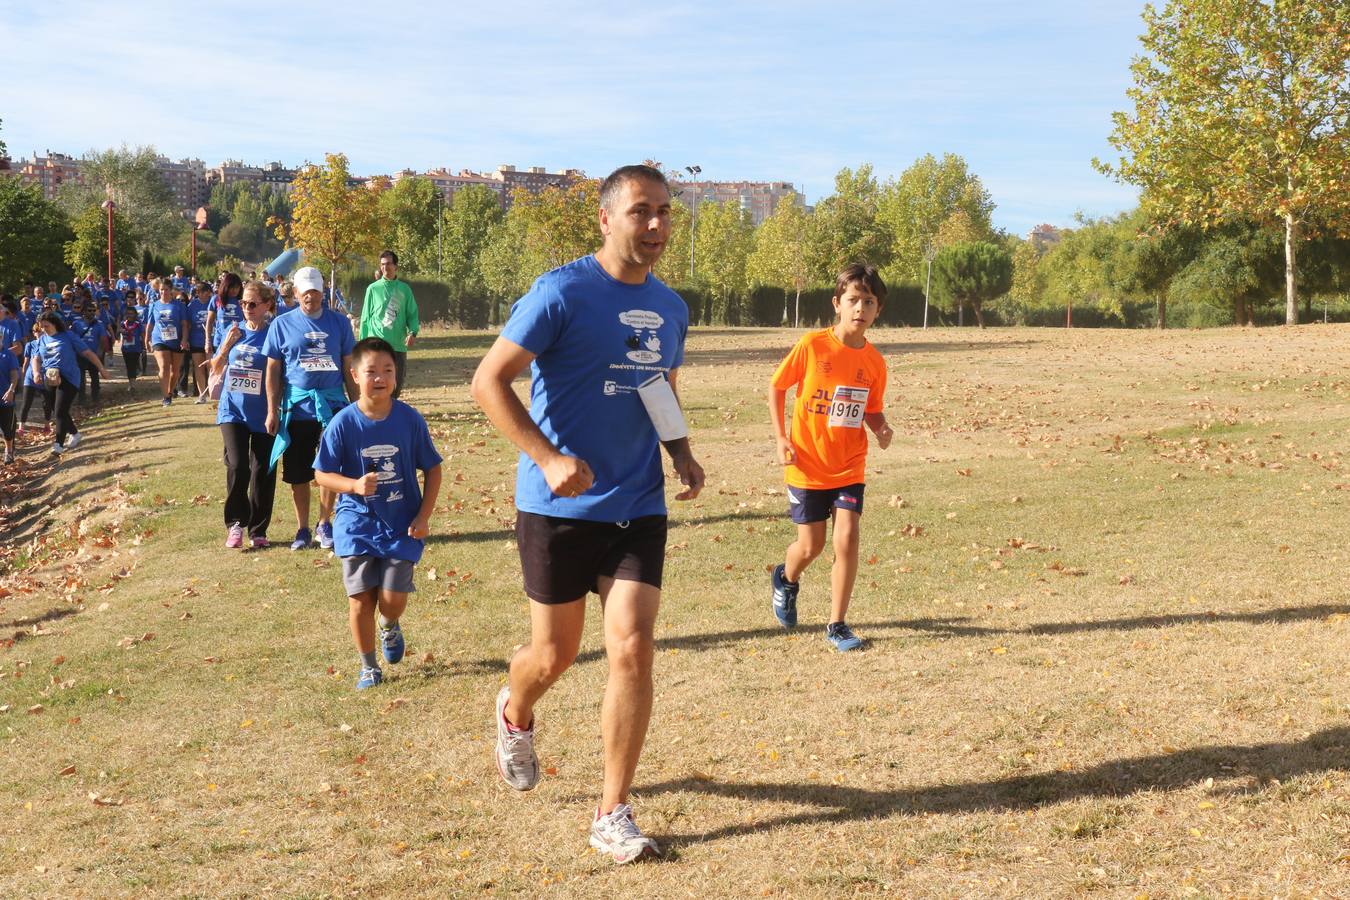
(390, 312)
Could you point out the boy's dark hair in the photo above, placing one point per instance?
(610, 187)
(389, 255)
(367, 346)
(866, 276)
(55, 319)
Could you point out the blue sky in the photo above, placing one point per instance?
(788, 90)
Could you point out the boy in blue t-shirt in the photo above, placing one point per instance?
(369, 455)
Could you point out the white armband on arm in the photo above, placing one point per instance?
(663, 408)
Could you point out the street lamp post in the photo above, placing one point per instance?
(440, 223)
(109, 205)
(928, 255)
(693, 218)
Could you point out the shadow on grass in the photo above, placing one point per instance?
(29, 622)
(1323, 751)
(956, 628)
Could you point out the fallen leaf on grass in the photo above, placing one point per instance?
(105, 801)
(1126, 579)
(912, 531)
(67, 771)
(395, 704)
(344, 728)
(964, 473)
(36, 709)
(550, 770)
(897, 501)
(428, 658)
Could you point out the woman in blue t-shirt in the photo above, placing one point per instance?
(168, 324)
(57, 352)
(9, 385)
(250, 479)
(33, 387)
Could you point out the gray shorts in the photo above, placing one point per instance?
(364, 572)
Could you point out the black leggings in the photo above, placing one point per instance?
(89, 375)
(7, 422)
(30, 393)
(134, 360)
(66, 392)
(250, 480)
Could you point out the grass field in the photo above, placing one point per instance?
(1104, 594)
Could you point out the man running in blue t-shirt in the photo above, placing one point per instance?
(590, 490)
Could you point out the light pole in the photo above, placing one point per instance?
(109, 205)
(440, 223)
(928, 255)
(693, 217)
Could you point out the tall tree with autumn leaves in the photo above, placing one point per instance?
(334, 220)
(1242, 109)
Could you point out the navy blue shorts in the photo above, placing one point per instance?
(807, 505)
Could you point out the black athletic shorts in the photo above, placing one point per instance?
(807, 505)
(197, 350)
(564, 559)
(297, 462)
(167, 348)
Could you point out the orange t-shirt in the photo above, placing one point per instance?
(836, 386)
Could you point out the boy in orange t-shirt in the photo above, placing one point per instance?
(840, 380)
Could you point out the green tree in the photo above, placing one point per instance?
(1028, 283)
(1240, 109)
(87, 251)
(1077, 270)
(673, 266)
(129, 177)
(466, 228)
(409, 211)
(1234, 266)
(934, 203)
(725, 237)
(33, 234)
(499, 266)
(971, 274)
(844, 228)
(333, 221)
(781, 251)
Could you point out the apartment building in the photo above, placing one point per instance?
(759, 198)
(50, 172)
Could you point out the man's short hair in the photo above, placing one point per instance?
(865, 275)
(610, 187)
(367, 346)
(389, 255)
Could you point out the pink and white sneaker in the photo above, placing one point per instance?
(235, 538)
(617, 834)
(259, 543)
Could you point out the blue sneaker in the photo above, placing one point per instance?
(324, 532)
(784, 598)
(302, 539)
(369, 678)
(391, 642)
(842, 637)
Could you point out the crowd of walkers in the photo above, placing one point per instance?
(304, 388)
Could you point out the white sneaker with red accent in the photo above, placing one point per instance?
(617, 834)
(516, 760)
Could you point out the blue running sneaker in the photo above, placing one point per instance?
(302, 539)
(369, 678)
(784, 598)
(324, 532)
(842, 637)
(391, 642)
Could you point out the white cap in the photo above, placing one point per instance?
(307, 279)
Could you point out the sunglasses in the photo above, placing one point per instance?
(249, 304)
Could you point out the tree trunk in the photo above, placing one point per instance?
(1162, 311)
(979, 315)
(960, 313)
(1290, 270)
(1068, 315)
(1240, 311)
(797, 311)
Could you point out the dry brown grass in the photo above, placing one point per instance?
(1103, 593)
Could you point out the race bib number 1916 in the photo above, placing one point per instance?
(847, 407)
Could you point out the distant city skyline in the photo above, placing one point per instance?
(789, 91)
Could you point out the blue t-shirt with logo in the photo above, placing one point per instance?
(311, 350)
(243, 395)
(133, 337)
(92, 333)
(11, 330)
(197, 311)
(30, 351)
(595, 339)
(166, 319)
(9, 364)
(227, 312)
(395, 447)
(60, 351)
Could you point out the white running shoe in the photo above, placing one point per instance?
(516, 760)
(73, 440)
(617, 834)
